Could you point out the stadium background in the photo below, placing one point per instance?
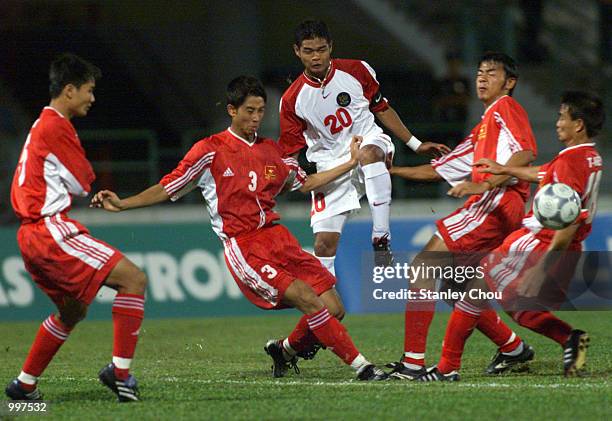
(165, 69)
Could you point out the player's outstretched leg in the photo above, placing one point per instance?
(128, 312)
(51, 335)
(328, 329)
(574, 342)
(378, 192)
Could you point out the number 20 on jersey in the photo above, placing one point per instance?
(338, 121)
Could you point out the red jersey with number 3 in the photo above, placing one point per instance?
(581, 168)
(51, 169)
(238, 179)
(325, 115)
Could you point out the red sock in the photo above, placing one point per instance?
(50, 337)
(460, 326)
(302, 338)
(545, 323)
(418, 317)
(331, 333)
(494, 328)
(128, 312)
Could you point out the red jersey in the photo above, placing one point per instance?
(51, 169)
(239, 180)
(324, 115)
(503, 131)
(580, 167)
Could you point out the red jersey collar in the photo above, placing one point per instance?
(318, 83)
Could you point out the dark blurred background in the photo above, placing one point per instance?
(165, 66)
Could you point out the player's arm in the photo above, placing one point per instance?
(489, 166)
(391, 120)
(518, 159)
(418, 173)
(109, 200)
(316, 180)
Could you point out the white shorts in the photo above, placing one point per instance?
(342, 195)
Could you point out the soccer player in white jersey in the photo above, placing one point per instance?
(330, 102)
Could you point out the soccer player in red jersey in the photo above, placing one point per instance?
(240, 174)
(494, 208)
(332, 100)
(535, 259)
(67, 263)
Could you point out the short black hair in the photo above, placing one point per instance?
(586, 107)
(508, 62)
(311, 29)
(243, 86)
(68, 69)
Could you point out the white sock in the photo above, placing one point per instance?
(328, 263)
(378, 191)
(122, 363)
(288, 351)
(412, 366)
(517, 351)
(27, 378)
(359, 362)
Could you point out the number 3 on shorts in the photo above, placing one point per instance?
(269, 270)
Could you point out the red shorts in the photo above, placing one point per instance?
(507, 264)
(265, 262)
(64, 260)
(483, 222)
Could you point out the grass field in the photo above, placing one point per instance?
(215, 368)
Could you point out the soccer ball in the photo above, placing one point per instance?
(556, 205)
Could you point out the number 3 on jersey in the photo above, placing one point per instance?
(253, 183)
(338, 121)
(269, 270)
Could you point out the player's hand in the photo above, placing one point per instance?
(107, 200)
(432, 149)
(467, 188)
(355, 145)
(489, 166)
(532, 282)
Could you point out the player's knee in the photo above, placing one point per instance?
(325, 247)
(72, 314)
(369, 154)
(140, 280)
(338, 312)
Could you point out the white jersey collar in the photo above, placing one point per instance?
(229, 129)
(48, 107)
(494, 102)
(576, 146)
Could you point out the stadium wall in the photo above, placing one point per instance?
(187, 274)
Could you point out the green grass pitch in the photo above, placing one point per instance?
(215, 368)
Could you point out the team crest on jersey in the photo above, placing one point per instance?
(482, 133)
(270, 172)
(343, 99)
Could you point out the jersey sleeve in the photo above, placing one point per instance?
(542, 171)
(67, 154)
(371, 88)
(297, 176)
(292, 128)
(184, 178)
(514, 127)
(456, 166)
(572, 172)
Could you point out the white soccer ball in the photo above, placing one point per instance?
(556, 205)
